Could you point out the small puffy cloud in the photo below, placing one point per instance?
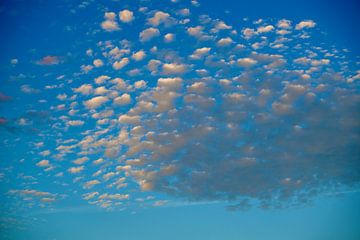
(265, 29)
(126, 16)
(170, 83)
(123, 99)
(101, 79)
(248, 33)
(120, 64)
(169, 37)
(305, 24)
(84, 89)
(110, 15)
(89, 196)
(81, 160)
(75, 123)
(224, 42)
(200, 53)
(110, 23)
(160, 18)
(195, 31)
(246, 62)
(43, 163)
(148, 34)
(14, 61)
(127, 119)
(101, 91)
(284, 24)
(173, 69)
(96, 102)
(75, 170)
(90, 184)
(140, 84)
(49, 60)
(28, 89)
(139, 55)
(98, 63)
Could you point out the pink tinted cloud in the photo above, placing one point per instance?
(49, 60)
(4, 98)
(3, 121)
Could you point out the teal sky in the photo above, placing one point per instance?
(179, 119)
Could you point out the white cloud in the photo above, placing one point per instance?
(84, 89)
(265, 29)
(120, 64)
(224, 42)
(139, 55)
(126, 16)
(126, 119)
(110, 25)
(81, 160)
(75, 170)
(284, 24)
(90, 184)
(305, 24)
(169, 37)
(43, 163)
(98, 63)
(75, 123)
(173, 69)
(148, 34)
(96, 102)
(101, 79)
(170, 83)
(140, 84)
(246, 62)
(200, 53)
(123, 99)
(159, 18)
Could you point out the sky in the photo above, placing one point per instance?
(179, 119)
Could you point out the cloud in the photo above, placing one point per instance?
(126, 16)
(139, 55)
(75, 123)
(43, 163)
(218, 116)
(75, 170)
(200, 53)
(49, 60)
(148, 34)
(265, 29)
(110, 23)
(224, 42)
(174, 69)
(28, 89)
(120, 64)
(4, 97)
(246, 62)
(85, 89)
(91, 184)
(98, 63)
(305, 24)
(160, 18)
(96, 102)
(169, 37)
(123, 99)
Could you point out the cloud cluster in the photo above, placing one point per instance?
(193, 108)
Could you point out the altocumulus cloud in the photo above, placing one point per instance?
(260, 113)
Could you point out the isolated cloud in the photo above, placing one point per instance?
(126, 16)
(49, 60)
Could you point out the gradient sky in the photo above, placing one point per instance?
(179, 119)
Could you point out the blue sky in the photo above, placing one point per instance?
(179, 119)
